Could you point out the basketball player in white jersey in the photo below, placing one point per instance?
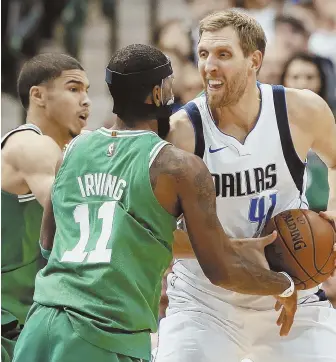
(254, 138)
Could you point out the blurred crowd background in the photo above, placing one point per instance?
(301, 50)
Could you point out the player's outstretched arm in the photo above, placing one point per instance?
(213, 249)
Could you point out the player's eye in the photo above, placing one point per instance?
(202, 54)
(225, 55)
(73, 89)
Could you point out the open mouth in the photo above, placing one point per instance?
(83, 118)
(214, 84)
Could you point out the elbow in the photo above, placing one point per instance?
(218, 277)
(221, 282)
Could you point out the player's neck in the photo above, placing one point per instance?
(243, 114)
(48, 127)
(138, 126)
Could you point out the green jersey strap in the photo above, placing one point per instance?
(69, 146)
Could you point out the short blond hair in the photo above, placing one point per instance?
(251, 35)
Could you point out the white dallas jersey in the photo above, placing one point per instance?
(254, 181)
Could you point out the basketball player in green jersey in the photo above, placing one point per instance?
(53, 90)
(108, 228)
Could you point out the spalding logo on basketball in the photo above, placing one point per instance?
(303, 248)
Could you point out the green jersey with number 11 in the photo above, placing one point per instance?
(113, 241)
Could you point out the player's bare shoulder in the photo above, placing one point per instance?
(310, 121)
(176, 176)
(181, 132)
(176, 163)
(304, 107)
(26, 147)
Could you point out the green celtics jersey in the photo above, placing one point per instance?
(20, 251)
(113, 241)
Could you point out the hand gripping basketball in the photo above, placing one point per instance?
(331, 217)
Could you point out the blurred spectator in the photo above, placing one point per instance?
(273, 63)
(191, 83)
(322, 66)
(73, 20)
(174, 35)
(291, 34)
(323, 41)
(198, 9)
(52, 13)
(305, 11)
(264, 11)
(304, 71)
(20, 37)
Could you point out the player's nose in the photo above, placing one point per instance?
(86, 101)
(210, 64)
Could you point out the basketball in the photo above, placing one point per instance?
(303, 247)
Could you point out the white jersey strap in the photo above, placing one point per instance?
(24, 127)
(155, 151)
(196, 120)
(295, 165)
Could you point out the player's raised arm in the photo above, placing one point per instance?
(35, 157)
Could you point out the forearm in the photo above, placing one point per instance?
(244, 276)
(249, 278)
(332, 189)
(182, 248)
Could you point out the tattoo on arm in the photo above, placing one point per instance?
(213, 249)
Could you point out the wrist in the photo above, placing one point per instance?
(291, 288)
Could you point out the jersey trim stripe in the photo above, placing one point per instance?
(196, 120)
(70, 145)
(155, 151)
(123, 133)
(23, 127)
(30, 197)
(295, 166)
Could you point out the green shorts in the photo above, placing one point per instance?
(48, 336)
(10, 331)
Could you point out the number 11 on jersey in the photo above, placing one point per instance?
(100, 254)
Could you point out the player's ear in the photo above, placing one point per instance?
(156, 93)
(256, 60)
(37, 95)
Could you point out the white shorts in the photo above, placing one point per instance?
(192, 332)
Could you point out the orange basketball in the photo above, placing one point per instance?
(303, 248)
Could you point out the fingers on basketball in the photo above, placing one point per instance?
(269, 239)
(303, 248)
(278, 305)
